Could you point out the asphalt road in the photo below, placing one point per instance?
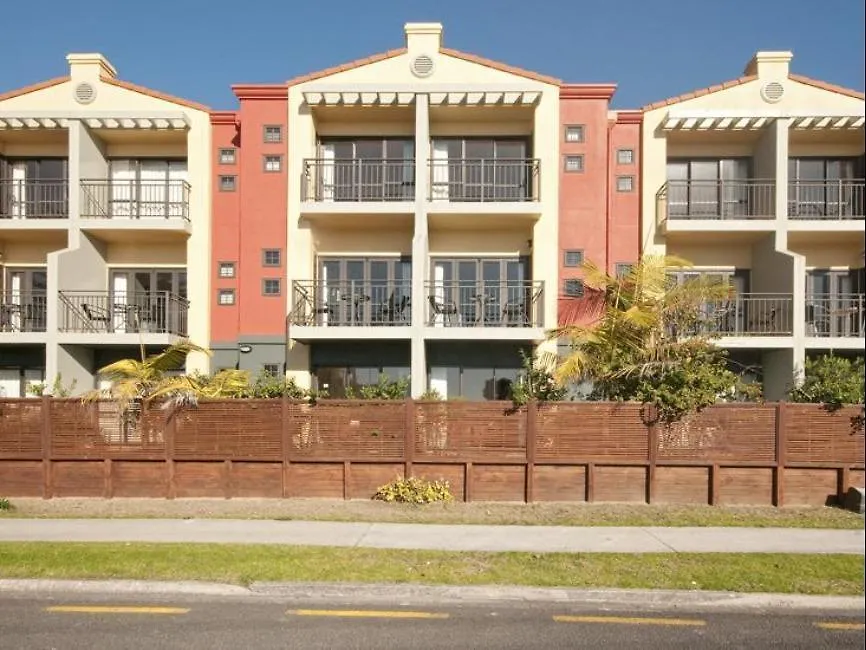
(63, 621)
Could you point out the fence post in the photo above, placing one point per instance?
(590, 482)
(781, 444)
(652, 452)
(531, 429)
(170, 435)
(409, 437)
(286, 443)
(46, 448)
(715, 483)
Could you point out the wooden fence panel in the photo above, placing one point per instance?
(230, 429)
(725, 433)
(591, 430)
(20, 428)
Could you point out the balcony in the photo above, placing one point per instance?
(832, 200)
(836, 315)
(23, 311)
(717, 200)
(367, 179)
(340, 309)
(485, 304)
(34, 199)
(479, 180)
(749, 314)
(128, 200)
(119, 313)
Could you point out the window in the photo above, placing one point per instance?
(226, 296)
(483, 169)
(273, 134)
(227, 156)
(379, 288)
(271, 257)
(573, 164)
(272, 369)
(574, 133)
(272, 163)
(271, 287)
(365, 169)
(624, 183)
(624, 156)
(695, 189)
(228, 183)
(623, 269)
(141, 187)
(226, 269)
(573, 258)
(573, 288)
(825, 187)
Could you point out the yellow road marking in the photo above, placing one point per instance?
(360, 613)
(627, 620)
(115, 609)
(829, 625)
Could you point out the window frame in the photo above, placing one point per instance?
(620, 151)
(572, 251)
(279, 133)
(576, 282)
(268, 294)
(624, 177)
(573, 157)
(226, 292)
(231, 265)
(234, 154)
(270, 157)
(579, 128)
(234, 184)
(266, 263)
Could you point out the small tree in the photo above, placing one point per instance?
(536, 382)
(833, 381)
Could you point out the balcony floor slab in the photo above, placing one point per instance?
(484, 333)
(755, 342)
(305, 333)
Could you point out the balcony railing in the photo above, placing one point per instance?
(836, 315)
(371, 303)
(718, 199)
(135, 199)
(34, 199)
(749, 314)
(830, 200)
(485, 180)
(485, 304)
(364, 179)
(23, 311)
(158, 312)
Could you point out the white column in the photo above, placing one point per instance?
(420, 245)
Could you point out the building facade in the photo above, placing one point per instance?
(421, 213)
(759, 180)
(104, 225)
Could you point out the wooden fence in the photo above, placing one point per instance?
(739, 454)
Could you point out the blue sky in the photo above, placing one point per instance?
(652, 48)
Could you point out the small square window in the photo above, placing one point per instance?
(573, 258)
(573, 164)
(226, 296)
(226, 269)
(272, 369)
(624, 156)
(228, 183)
(623, 269)
(271, 287)
(272, 163)
(273, 133)
(271, 257)
(227, 156)
(574, 133)
(624, 183)
(573, 288)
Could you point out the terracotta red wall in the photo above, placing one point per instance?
(225, 226)
(624, 211)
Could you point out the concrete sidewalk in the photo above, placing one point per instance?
(439, 537)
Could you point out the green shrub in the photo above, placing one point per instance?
(832, 381)
(414, 490)
(385, 389)
(6, 505)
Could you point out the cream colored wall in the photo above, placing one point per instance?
(143, 150)
(24, 253)
(823, 257)
(797, 149)
(720, 256)
(462, 242)
(491, 128)
(341, 129)
(164, 254)
(708, 149)
(13, 150)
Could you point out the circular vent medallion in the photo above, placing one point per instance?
(772, 91)
(85, 93)
(422, 66)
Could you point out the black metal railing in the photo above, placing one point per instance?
(157, 312)
(748, 314)
(34, 199)
(365, 179)
(841, 314)
(485, 180)
(830, 200)
(717, 199)
(485, 304)
(23, 311)
(135, 199)
(360, 303)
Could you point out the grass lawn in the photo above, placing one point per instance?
(550, 514)
(243, 564)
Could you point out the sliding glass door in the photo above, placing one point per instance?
(480, 291)
(706, 189)
(366, 169)
(364, 291)
(481, 169)
(822, 187)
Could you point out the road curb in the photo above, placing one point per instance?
(337, 593)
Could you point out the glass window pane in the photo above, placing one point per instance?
(478, 383)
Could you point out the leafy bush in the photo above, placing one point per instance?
(384, 389)
(270, 386)
(57, 389)
(6, 505)
(832, 381)
(414, 490)
(431, 395)
(536, 382)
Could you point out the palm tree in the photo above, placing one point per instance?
(638, 324)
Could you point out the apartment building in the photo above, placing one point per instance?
(420, 213)
(759, 180)
(104, 225)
